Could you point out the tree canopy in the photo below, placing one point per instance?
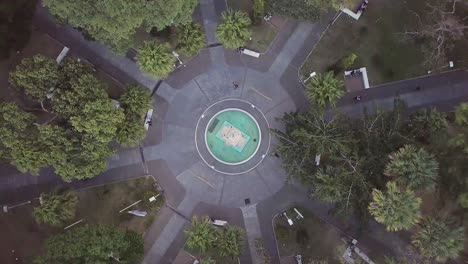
(202, 235)
(156, 59)
(413, 167)
(234, 31)
(36, 76)
(55, 208)
(114, 22)
(77, 140)
(437, 240)
(231, 241)
(396, 209)
(190, 38)
(325, 90)
(92, 245)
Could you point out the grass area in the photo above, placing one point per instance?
(100, 205)
(310, 237)
(263, 33)
(108, 200)
(377, 41)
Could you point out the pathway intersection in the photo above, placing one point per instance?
(169, 152)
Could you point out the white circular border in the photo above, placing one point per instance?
(259, 136)
(213, 167)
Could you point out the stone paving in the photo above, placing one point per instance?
(169, 152)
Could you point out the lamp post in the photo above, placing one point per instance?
(312, 74)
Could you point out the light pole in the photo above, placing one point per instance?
(312, 74)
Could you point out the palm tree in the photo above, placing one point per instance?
(234, 32)
(325, 90)
(231, 241)
(396, 209)
(190, 38)
(136, 100)
(56, 208)
(413, 167)
(207, 260)
(202, 235)
(156, 59)
(437, 240)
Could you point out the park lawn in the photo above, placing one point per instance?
(377, 41)
(310, 237)
(99, 205)
(263, 33)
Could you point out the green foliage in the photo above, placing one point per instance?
(436, 240)
(72, 101)
(349, 60)
(259, 10)
(156, 59)
(15, 25)
(207, 260)
(17, 138)
(413, 167)
(427, 124)
(99, 119)
(463, 200)
(330, 184)
(461, 119)
(302, 9)
(56, 208)
(35, 76)
(234, 31)
(114, 22)
(136, 100)
(92, 245)
(396, 209)
(230, 242)
(306, 136)
(325, 90)
(190, 38)
(131, 132)
(201, 236)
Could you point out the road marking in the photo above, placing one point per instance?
(261, 94)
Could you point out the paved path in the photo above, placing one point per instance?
(169, 153)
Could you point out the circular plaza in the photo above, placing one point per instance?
(232, 136)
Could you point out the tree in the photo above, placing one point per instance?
(56, 208)
(137, 100)
(130, 133)
(18, 139)
(70, 101)
(100, 119)
(413, 167)
(201, 236)
(302, 9)
(329, 184)
(426, 124)
(436, 240)
(207, 260)
(306, 136)
(234, 31)
(461, 119)
(231, 241)
(36, 76)
(15, 25)
(156, 60)
(439, 27)
(190, 38)
(396, 209)
(88, 245)
(325, 90)
(114, 22)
